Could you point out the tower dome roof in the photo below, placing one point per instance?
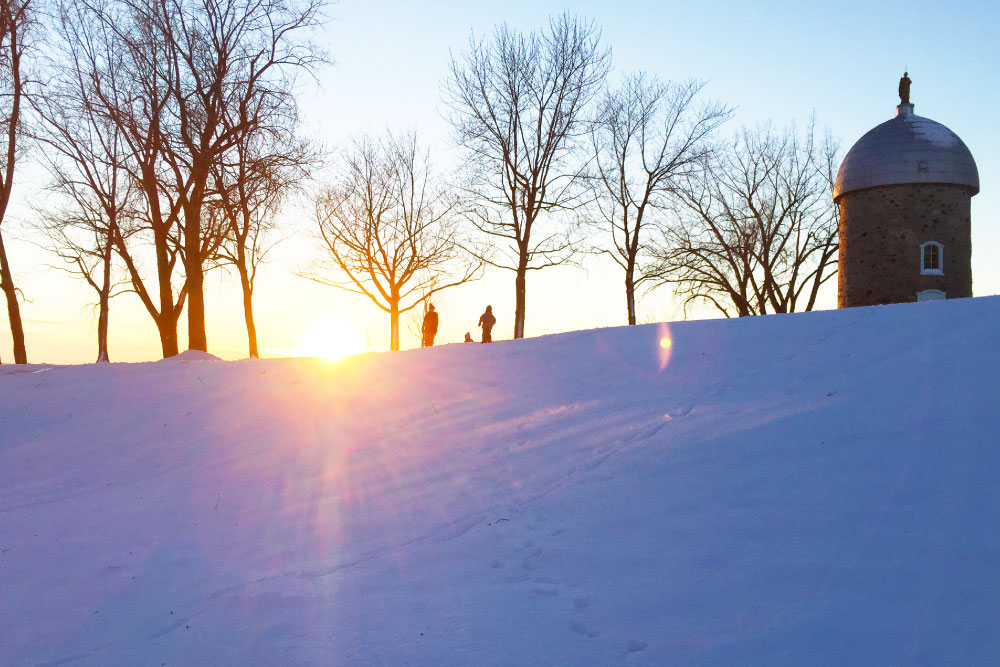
(906, 149)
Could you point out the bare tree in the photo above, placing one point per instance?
(388, 226)
(646, 136)
(125, 78)
(518, 103)
(185, 81)
(85, 156)
(251, 183)
(15, 26)
(87, 256)
(757, 230)
(234, 63)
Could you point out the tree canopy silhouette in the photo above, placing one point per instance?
(646, 136)
(389, 228)
(184, 83)
(517, 103)
(16, 24)
(756, 230)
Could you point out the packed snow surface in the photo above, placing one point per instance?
(796, 489)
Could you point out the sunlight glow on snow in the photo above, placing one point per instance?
(425, 508)
(330, 338)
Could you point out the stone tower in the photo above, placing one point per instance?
(904, 192)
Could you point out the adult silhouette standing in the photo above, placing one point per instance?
(430, 326)
(486, 321)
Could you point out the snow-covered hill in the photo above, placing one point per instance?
(805, 489)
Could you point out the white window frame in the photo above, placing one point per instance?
(931, 272)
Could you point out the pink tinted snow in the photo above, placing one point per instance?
(795, 489)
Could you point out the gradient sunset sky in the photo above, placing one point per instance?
(778, 61)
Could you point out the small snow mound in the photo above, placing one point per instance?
(193, 355)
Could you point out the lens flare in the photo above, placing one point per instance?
(666, 342)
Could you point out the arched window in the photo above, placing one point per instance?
(931, 258)
(931, 295)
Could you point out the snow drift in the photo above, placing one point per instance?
(817, 488)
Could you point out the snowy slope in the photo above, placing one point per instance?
(800, 489)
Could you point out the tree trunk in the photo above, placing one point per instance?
(13, 309)
(102, 331)
(248, 310)
(168, 335)
(102, 318)
(394, 325)
(519, 296)
(196, 308)
(197, 340)
(630, 291)
(166, 324)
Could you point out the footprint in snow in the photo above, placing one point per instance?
(582, 629)
(535, 552)
(634, 646)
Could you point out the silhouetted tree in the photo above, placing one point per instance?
(517, 105)
(15, 27)
(388, 226)
(251, 182)
(234, 62)
(185, 81)
(646, 135)
(756, 231)
(86, 158)
(125, 77)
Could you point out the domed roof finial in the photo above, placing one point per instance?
(904, 89)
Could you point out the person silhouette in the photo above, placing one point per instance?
(486, 321)
(468, 338)
(430, 326)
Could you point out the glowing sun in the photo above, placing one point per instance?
(330, 338)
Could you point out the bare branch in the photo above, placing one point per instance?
(517, 105)
(16, 28)
(646, 137)
(758, 230)
(388, 228)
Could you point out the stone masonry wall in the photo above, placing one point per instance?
(881, 230)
